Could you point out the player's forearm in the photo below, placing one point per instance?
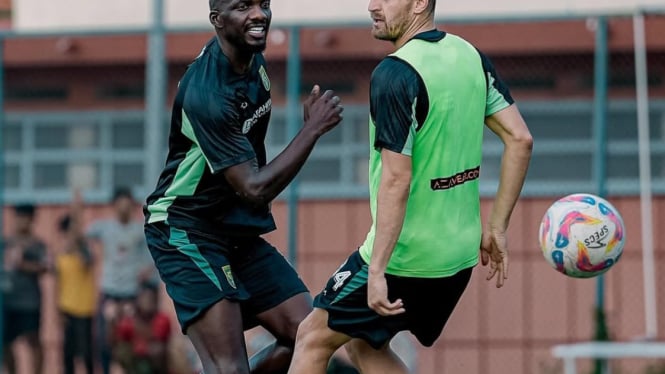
(514, 165)
(391, 208)
(270, 180)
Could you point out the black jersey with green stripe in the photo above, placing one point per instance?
(220, 119)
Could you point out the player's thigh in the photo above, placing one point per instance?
(218, 338)
(196, 271)
(430, 302)
(283, 320)
(279, 300)
(345, 300)
(370, 360)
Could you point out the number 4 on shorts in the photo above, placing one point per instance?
(340, 278)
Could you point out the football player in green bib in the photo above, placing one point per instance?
(429, 103)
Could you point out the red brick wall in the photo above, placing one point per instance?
(504, 331)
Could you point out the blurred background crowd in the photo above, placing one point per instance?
(96, 283)
(99, 278)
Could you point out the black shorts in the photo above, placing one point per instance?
(199, 270)
(428, 303)
(19, 323)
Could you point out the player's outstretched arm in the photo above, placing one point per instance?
(262, 185)
(509, 125)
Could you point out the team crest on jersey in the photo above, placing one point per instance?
(229, 275)
(264, 78)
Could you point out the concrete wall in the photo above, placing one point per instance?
(96, 14)
(505, 331)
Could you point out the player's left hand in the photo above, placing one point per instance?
(377, 297)
(313, 96)
(494, 251)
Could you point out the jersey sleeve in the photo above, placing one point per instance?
(498, 94)
(213, 123)
(398, 105)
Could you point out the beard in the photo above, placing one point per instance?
(245, 44)
(391, 31)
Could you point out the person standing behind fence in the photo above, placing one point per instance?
(76, 290)
(126, 264)
(25, 262)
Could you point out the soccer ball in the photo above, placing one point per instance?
(582, 235)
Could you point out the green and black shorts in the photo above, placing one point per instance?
(428, 302)
(200, 270)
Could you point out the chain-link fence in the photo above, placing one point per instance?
(77, 118)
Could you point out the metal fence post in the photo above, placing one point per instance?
(646, 206)
(293, 125)
(599, 170)
(155, 99)
(2, 195)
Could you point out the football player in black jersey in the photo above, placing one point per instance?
(211, 205)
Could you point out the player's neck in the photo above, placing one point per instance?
(240, 60)
(418, 26)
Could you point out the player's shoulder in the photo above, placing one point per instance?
(208, 68)
(393, 68)
(209, 50)
(462, 43)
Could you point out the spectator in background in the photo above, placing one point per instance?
(76, 290)
(126, 264)
(25, 262)
(141, 338)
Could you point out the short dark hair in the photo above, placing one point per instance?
(151, 287)
(25, 209)
(65, 223)
(214, 4)
(121, 192)
(431, 6)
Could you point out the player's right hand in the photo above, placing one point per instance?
(377, 296)
(322, 112)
